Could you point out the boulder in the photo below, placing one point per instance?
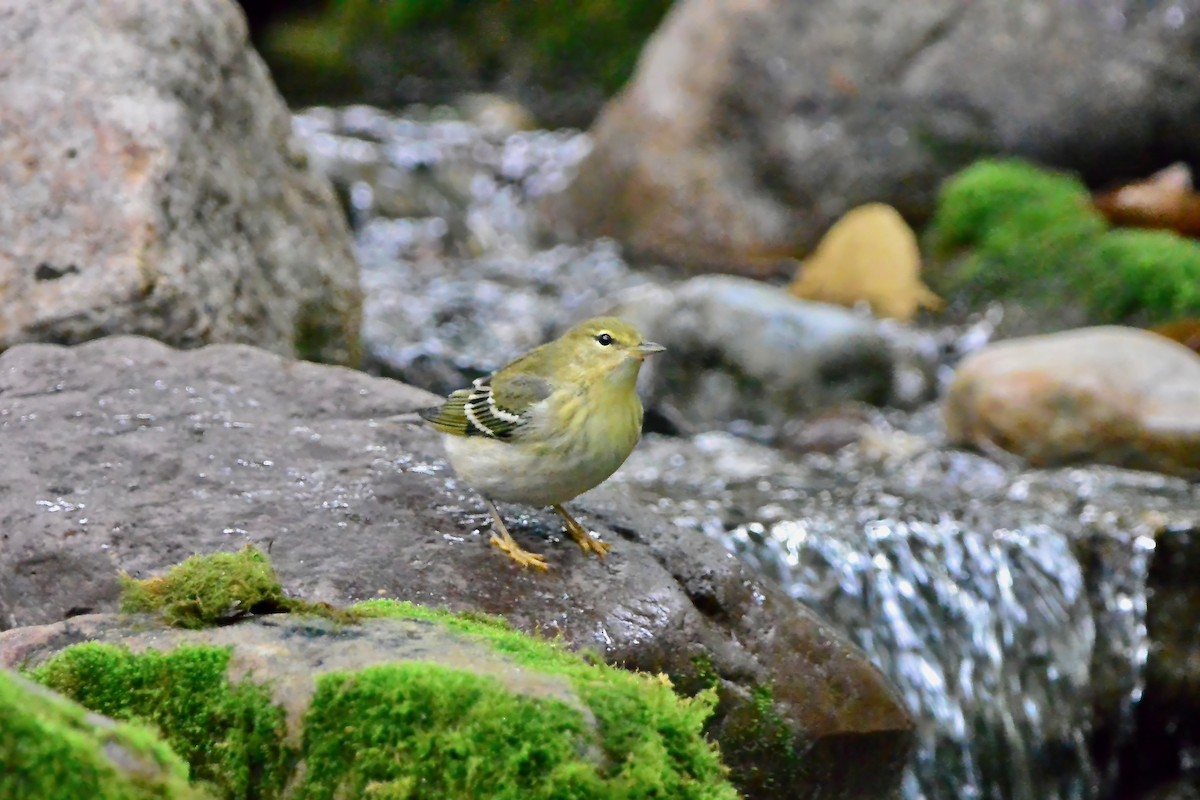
(123, 454)
(150, 186)
(749, 126)
(744, 350)
(1108, 394)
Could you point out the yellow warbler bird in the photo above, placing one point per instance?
(548, 427)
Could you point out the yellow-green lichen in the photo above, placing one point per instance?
(205, 590)
(1011, 230)
(231, 735)
(53, 748)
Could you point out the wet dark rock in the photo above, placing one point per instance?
(125, 454)
(1176, 790)
(150, 186)
(1169, 712)
(750, 126)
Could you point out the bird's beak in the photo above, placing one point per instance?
(647, 349)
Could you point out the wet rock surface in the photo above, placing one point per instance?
(165, 200)
(1110, 394)
(125, 454)
(750, 126)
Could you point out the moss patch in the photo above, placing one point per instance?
(404, 730)
(652, 739)
(232, 736)
(1010, 230)
(213, 589)
(52, 748)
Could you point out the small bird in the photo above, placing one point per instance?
(548, 427)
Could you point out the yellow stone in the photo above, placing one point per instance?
(870, 255)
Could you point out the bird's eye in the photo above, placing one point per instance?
(604, 339)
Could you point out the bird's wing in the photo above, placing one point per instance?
(496, 407)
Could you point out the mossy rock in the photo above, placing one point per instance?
(53, 748)
(212, 589)
(1008, 230)
(390, 700)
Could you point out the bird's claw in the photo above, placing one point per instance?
(586, 541)
(517, 554)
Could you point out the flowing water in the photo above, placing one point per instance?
(1008, 606)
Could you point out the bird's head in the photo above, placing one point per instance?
(608, 346)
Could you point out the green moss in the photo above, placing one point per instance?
(1132, 272)
(415, 730)
(52, 748)
(764, 746)
(212, 589)
(205, 590)
(983, 197)
(232, 736)
(652, 739)
(1013, 231)
(411, 729)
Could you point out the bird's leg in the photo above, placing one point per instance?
(510, 548)
(589, 543)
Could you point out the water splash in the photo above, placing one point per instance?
(1008, 607)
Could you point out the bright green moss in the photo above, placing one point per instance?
(419, 730)
(412, 729)
(1135, 272)
(982, 197)
(651, 738)
(231, 735)
(208, 589)
(212, 589)
(52, 748)
(1014, 231)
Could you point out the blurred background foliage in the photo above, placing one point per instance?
(561, 58)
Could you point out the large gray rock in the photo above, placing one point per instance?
(125, 454)
(743, 350)
(149, 186)
(750, 125)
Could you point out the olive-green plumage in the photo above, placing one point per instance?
(549, 426)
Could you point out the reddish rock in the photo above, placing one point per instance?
(1108, 395)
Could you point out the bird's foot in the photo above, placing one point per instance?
(504, 542)
(587, 543)
(514, 551)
